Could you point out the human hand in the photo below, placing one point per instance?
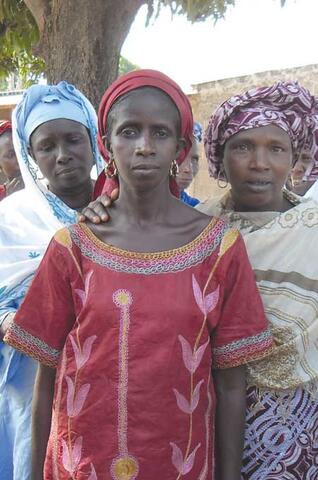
(97, 211)
(6, 324)
(14, 185)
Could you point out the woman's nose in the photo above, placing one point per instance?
(63, 155)
(145, 145)
(259, 159)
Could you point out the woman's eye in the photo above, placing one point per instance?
(45, 148)
(128, 132)
(241, 147)
(161, 133)
(277, 149)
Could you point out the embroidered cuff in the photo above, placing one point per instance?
(243, 351)
(32, 346)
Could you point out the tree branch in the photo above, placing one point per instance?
(38, 9)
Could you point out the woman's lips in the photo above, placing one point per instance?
(258, 186)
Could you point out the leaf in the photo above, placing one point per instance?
(183, 467)
(197, 294)
(182, 402)
(81, 357)
(210, 301)
(80, 399)
(71, 458)
(192, 359)
(188, 464)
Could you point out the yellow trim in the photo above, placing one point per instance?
(148, 255)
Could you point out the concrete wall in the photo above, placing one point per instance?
(209, 95)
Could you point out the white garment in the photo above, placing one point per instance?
(313, 191)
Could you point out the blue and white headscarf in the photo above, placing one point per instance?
(40, 104)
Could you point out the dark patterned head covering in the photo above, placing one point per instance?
(285, 104)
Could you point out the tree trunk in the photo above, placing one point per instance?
(81, 41)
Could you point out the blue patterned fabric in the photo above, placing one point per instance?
(185, 198)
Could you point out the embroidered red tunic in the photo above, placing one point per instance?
(134, 337)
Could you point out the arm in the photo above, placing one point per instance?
(41, 418)
(230, 387)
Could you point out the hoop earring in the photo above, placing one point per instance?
(222, 178)
(111, 169)
(174, 169)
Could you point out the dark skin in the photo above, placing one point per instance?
(257, 163)
(62, 150)
(297, 183)
(144, 134)
(9, 164)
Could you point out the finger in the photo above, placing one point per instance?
(114, 194)
(99, 209)
(90, 215)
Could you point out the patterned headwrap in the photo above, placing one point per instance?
(5, 126)
(125, 84)
(312, 172)
(285, 104)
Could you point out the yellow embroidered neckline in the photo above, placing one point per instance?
(148, 255)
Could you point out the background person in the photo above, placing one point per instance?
(54, 133)
(190, 167)
(9, 166)
(251, 141)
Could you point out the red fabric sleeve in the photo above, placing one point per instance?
(3, 192)
(241, 334)
(47, 314)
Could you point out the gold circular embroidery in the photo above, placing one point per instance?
(122, 298)
(125, 468)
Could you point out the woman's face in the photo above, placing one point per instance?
(8, 160)
(144, 138)
(257, 163)
(63, 152)
(189, 167)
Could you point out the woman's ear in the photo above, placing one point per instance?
(181, 145)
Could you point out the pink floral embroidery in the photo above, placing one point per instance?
(81, 356)
(206, 304)
(192, 359)
(183, 466)
(183, 403)
(75, 402)
(72, 457)
(93, 475)
(83, 294)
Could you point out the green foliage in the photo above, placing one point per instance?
(195, 10)
(18, 35)
(126, 66)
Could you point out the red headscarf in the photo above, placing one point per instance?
(125, 84)
(5, 126)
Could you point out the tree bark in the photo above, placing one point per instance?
(81, 40)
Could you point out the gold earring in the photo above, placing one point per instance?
(111, 169)
(174, 169)
(222, 178)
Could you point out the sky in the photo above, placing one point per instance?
(254, 36)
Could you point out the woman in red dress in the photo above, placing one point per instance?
(127, 318)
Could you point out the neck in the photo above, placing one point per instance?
(76, 198)
(145, 207)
